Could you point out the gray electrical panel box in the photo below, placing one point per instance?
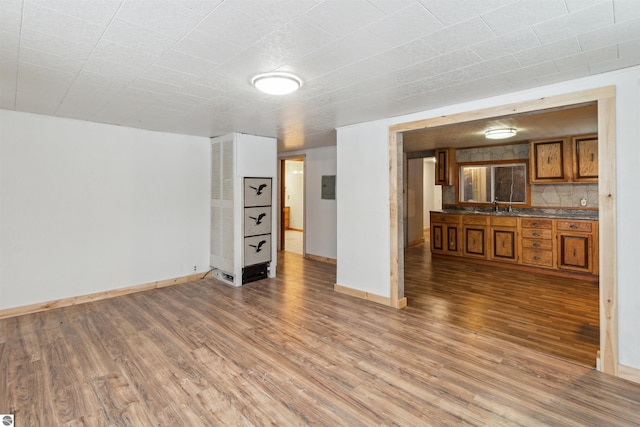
(329, 187)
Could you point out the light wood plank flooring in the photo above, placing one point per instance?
(554, 315)
(284, 351)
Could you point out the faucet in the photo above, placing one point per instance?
(495, 204)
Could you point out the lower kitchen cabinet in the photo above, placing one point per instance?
(503, 239)
(445, 230)
(556, 246)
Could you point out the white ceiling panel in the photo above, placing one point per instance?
(339, 17)
(459, 35)
(523, 13)
(161, 16)
(549, 52)
(234, 26)
(582, 21)
(99, 12)
(137, 38)
(506, 44)
(407, 24)
(59, 25)
(464, 10)
(185, 65)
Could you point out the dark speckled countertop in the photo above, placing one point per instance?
(525, 212)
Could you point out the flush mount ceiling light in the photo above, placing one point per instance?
(500, 133)
(276, 83)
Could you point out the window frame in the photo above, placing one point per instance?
(492, 164)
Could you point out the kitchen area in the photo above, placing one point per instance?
(514, 250)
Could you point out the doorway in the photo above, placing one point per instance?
(292, 204)
(605, 98)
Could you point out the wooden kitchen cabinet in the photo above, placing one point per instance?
(503, 239)
(549, 161)
(564, 247)
(474, 232)
(584, 150)
(444, 171)
(537, 243)
(576, 248)
(445, 231)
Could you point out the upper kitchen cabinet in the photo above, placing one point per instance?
(548, 161)
(564, 160)
(585, 158)
(444, 171)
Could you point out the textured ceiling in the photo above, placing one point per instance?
(185, 65)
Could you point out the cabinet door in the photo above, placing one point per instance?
(452, 239)
(503, 246)
(585, 158)
(474, 241)
(437, 240)
(547, 162)
(575, 252)
(442, 167)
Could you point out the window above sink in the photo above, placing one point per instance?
(483, 183)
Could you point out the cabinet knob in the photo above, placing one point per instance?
(536, 234)
(537, 258)
(573, 226)
(536, 245)
(535, 224)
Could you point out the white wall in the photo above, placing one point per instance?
(320, 226)
(294, 193)
(89, 207)
(363, 245)
(363, 208)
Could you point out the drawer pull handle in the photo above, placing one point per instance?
(536, 234)
(536, 245)
(444, 219)
(537, 258)
(535, 224)
(573, 226)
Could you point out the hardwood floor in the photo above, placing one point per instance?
(284, 351)
(554, 315)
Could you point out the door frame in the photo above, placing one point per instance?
(281, 201)
(605, 98)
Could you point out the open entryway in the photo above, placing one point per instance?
(292, 184)
(508, 301)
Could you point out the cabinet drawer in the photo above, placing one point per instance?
(537, 257)
(536, 223)
(537, 244)
(476, 220)
(532, 233)
(504, 222)
(454, 219)
(583, 226)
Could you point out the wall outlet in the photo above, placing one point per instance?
(195, 268)
(583, 201)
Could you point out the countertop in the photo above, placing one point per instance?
(526, 213)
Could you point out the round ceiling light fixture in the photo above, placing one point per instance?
(277, 83)
(500, 133)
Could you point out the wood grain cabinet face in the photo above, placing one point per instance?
(548, 160)
(443, 167)
(537, 243)
(503, 239)
(474, 235)
(576, 250)
(585, 158)
(445, 233)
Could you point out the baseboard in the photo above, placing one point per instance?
(402, 303)
(629, 373)
(321, 259)
(67, 302)
(295, 229)
(416, 242)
